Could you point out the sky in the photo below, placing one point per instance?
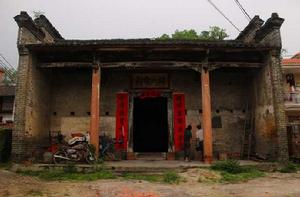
(105, 19)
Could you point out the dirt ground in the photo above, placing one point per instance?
(274, 184)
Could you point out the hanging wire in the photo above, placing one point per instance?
(214, 5)
(6, 61)
(243, 10)
(10, 71)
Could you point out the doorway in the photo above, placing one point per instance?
(150, 124)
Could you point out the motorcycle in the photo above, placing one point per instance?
(76, 149)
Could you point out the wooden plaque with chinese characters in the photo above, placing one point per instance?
(150, 80)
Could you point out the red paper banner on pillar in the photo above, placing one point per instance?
(179, 120)
(122, 121)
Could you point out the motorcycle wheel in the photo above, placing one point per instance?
(90, 158)
(57, 160)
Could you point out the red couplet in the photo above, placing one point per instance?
(179, 120)
(122, 121)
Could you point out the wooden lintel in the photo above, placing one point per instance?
(65, 64)
(147, 48)
(178, 64)
(237, 64)
(152, 64)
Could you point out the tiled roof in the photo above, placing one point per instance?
(296, 56)
(295, 60)
(152, 42)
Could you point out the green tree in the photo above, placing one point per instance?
(214, 33)
(164, 37)
(185, 35)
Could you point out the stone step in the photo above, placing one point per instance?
(151, 156)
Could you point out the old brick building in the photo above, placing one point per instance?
(291, 76)
(7, 97)
(146, 91)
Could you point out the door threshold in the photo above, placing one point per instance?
(151, 156)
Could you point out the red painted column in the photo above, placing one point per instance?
(95, 102)
(206, 116)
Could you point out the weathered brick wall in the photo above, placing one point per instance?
(70, 100)
(31, 110)
(279, 108)
(229, 93)
(270, 34)
(38, 102)
(26, 37)
(31, 123)
(18, 135)
(230, 97)
(265, 134)
(70, 92)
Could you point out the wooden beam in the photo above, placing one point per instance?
(151, 64)
(95, 103)
(64, 64)
(179, 64)
(206, 117)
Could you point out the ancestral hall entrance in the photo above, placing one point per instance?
(150, 124)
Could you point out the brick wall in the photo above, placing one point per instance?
(280, 118)
(31, 110)
(265, 129)
(70, 103)
(18, 135)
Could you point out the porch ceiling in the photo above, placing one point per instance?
(116, 52)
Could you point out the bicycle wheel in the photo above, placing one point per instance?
(109, 157)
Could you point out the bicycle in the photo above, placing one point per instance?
(107, 148)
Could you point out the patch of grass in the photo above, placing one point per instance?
(289, 168)
(232, 172)
(53, 175)
(230, 166)
(59, 175)
(171, 177)
(168, 177)
(34, 192)
(145, 177)
(240, 177)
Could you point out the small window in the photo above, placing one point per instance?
(216, 122)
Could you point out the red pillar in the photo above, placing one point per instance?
(95, 101)
(206, 116)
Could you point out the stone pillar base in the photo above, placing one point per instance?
(131, 156)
